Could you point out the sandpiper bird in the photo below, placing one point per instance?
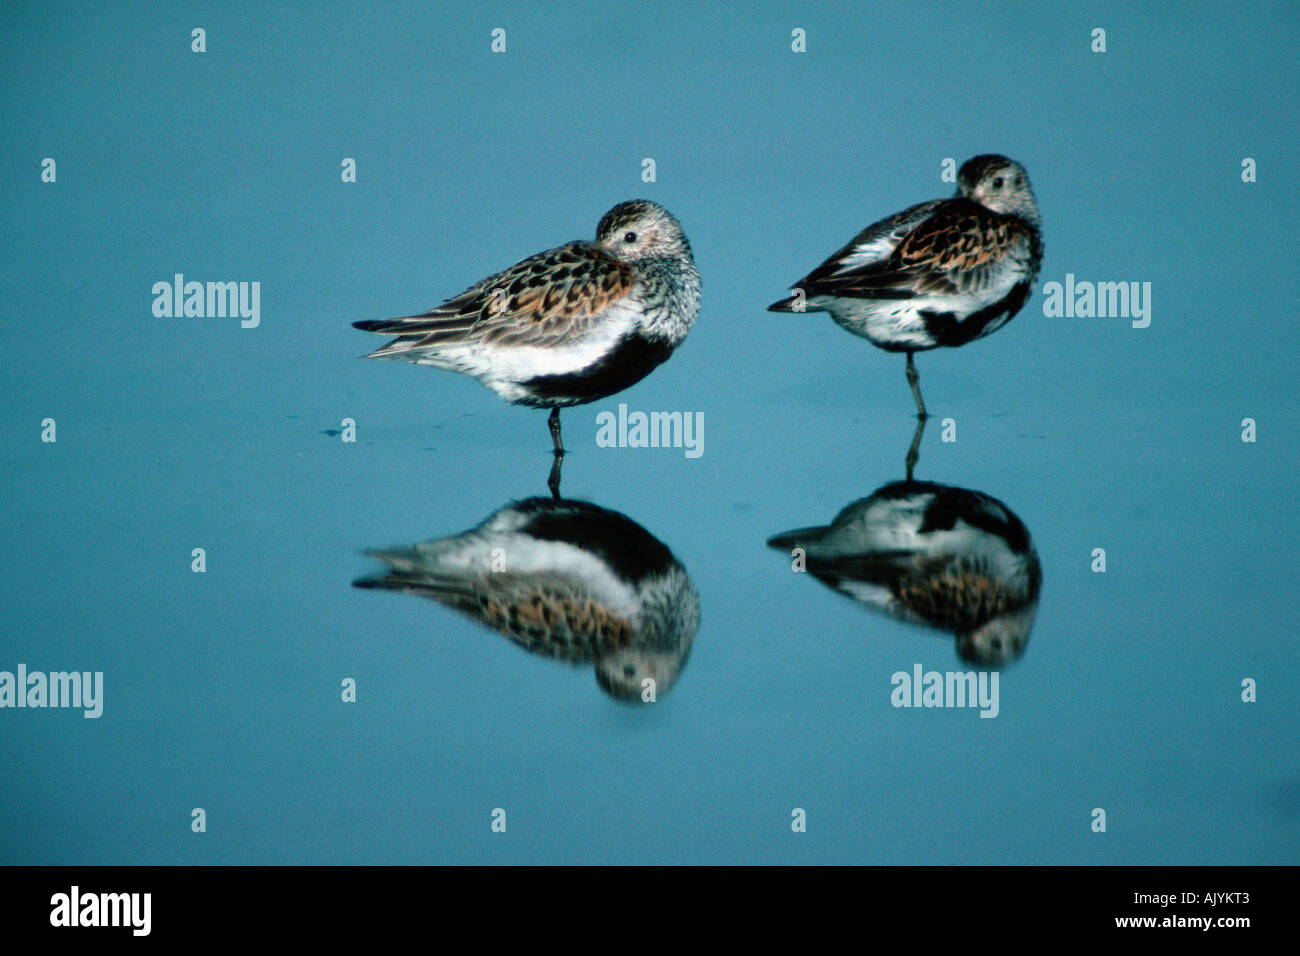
(941, 273)
(564, 579)
(932, 554)
(568, 326)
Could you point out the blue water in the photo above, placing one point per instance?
(222, 689)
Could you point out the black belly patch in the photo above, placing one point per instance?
(632, 359)
(620, 542)
(947, 331)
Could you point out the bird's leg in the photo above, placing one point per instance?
(914, 379)
(914, 453)
(554, 422)
(554, 481)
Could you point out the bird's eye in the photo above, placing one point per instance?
(997, 182)
(628, 669)
(629, 237)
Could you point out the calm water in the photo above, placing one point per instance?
(222, 689)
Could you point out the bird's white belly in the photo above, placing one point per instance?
(900, 323)
(502, 367)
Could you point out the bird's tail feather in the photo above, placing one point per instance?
(416, 332)
(801, 537)
(448, 591)
(788, 305)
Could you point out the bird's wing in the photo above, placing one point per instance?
(952, 597)
(549, 614)
(832, 557)
(871, 246)
(544, 300)
(952, 246)
(560, 621)
(872, 567)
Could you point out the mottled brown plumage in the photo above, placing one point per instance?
(938, 274)
(540, 301)
(571, 325)
(566, 580)
(573, 628)
(946, 557)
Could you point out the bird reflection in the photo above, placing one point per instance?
(931, 554)
(563, 579)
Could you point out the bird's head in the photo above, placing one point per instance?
(999, 184)
(624, 673)
(999, 641)
(640, 229)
